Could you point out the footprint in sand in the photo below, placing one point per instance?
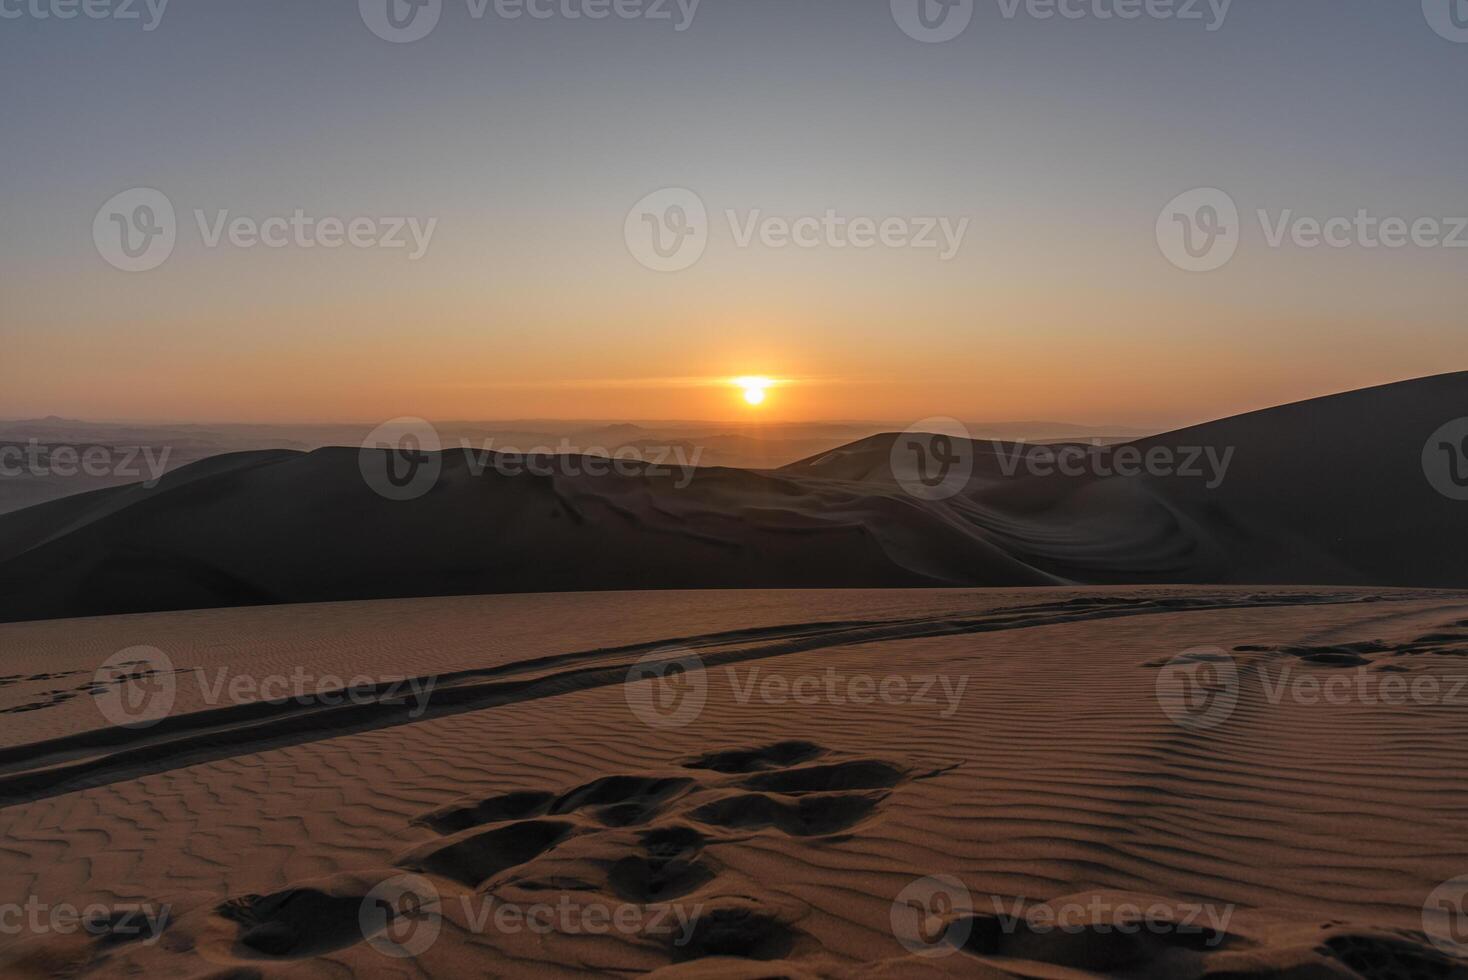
(1448, 641)
(644, 838)
(294, 923)
(1157, 949)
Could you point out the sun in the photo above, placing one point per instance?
(754, 389)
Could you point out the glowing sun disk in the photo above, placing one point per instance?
(754, 388)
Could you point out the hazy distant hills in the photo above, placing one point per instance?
(136, 453)
(1328, 491)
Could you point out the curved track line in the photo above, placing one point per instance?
(57, 766)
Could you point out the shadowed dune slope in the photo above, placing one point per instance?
(1328, 491)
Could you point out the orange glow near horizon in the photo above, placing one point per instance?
(322, 366)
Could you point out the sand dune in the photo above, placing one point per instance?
(1289, 506)
(136, 452)
(935, 831)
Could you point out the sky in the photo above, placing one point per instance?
(986, 224)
